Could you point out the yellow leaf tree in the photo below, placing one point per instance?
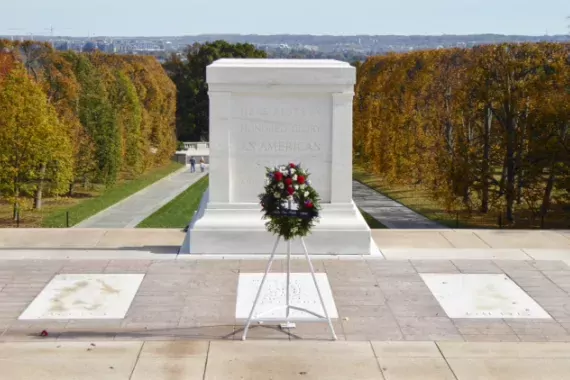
(34, 146)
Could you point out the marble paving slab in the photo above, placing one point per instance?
(85, 296)
(482, 296)
(302, 291)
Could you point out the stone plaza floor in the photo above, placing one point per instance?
(375, 299)
(283, 360)
(434, 304)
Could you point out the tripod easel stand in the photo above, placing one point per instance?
(288, 305)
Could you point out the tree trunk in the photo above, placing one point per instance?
(522, 152)
(39, 190)
(466, 197)
(510, 188)
(16, 201)
(503, 177)
(71, 188)
(548, 191)
(486, 158)
(551, 177)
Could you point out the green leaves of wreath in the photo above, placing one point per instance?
(287, 185)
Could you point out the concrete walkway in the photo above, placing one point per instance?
(131, 211)
(282, 360)
(387, 211)
(164, 243)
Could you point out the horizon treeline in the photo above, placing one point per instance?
(79, 118)
(481, 130)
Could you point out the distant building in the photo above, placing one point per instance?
(89, 47)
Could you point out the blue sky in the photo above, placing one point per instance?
(183, 17)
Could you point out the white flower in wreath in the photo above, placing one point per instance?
(306, 194)
(282, 169)
(290, 198)
(295, 177)
(303, 186)
(292, 171)
(277, 195)
(294, 230)
(296, 187)
(281, 185)
(309, 182)
(267, 182)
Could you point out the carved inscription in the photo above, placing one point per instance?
(280, 146)
(265, 127)
(296, 128)
(268, 130)
(280, 112)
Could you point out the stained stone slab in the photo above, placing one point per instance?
(302, 292)
(482, 296)
(85, 296)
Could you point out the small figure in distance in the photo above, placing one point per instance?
(202, 164)
(192, 165)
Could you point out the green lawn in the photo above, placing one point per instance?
(178, 212)
(107, 198)
(372, 223)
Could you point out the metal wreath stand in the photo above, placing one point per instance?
(288, 306)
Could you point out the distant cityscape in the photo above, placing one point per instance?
(301, 46)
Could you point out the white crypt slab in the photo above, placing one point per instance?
(85, 296)
(268, 112)
(302, 292)
(482, 296)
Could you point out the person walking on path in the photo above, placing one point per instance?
(202, 164)
(192, 165)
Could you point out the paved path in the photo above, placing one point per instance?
(387, 211)
(279, 360)
(62, 243)
(131, 211)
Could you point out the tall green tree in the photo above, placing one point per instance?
(98, 117)
(190, 78)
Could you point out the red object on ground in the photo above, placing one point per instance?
(44, 333)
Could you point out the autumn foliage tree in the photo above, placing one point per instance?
(115, 114)
(481, 130)
(34, 147)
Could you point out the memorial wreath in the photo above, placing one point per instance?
(287, 186)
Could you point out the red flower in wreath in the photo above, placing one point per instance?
(290, 190)
(292, 165)
(278, 176)
(300, 180)
(309, 204)
(288, 181)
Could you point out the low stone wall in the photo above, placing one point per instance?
(183, 157)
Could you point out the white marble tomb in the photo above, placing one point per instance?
(266, 112)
